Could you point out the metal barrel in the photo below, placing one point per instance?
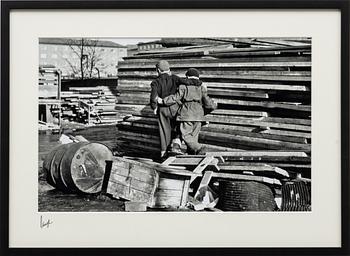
(47, 166)
(55, 169)
(77, 167)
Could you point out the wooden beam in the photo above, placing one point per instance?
(266, 104)
(232, 176)
(202, 165)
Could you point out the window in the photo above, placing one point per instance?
(43, 56)
(54, 56)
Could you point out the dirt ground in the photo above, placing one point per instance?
(53, 200)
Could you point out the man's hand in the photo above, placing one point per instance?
(159, 100)
(155, 111)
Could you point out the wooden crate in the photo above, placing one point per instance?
(157, 185)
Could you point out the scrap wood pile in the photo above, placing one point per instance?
(200, 182)
(247, 180)
(78, 103)
(262, 86)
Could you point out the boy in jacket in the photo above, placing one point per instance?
(194, 98)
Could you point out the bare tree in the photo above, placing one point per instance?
(87, 54)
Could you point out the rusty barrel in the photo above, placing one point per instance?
(77, 167)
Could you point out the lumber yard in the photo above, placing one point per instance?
(257, 143)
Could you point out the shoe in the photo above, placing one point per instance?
(175, 152)
(163, 158)
(201, 151)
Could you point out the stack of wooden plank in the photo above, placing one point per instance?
(49, 97)
(240, 42)
(102, 100)
(263, 90)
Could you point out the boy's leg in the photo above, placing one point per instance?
(190, 133)
(196, 130)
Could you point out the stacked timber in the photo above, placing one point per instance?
(94, 104)
(262, 87)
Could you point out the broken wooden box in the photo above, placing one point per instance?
(158, 185)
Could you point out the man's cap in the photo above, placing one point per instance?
(163, 65)
(192, 72)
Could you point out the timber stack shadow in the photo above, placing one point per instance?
(258, 140)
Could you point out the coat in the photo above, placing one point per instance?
(163, 86)
(193, 98)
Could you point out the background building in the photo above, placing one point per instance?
(149, 45)
(97, 58)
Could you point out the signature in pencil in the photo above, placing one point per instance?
(45, 223)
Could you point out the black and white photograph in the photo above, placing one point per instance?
(175, 124)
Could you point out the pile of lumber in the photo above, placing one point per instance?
(239, 42)
(93, 105)
(48, 77)
(262, 86)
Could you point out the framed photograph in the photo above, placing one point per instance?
(153, 127)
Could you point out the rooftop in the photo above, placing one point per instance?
(69, 41)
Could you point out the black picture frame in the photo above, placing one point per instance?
(8, 6)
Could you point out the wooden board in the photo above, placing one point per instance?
(258, 169)
(266, 104)
(232, 176)
(142, 85)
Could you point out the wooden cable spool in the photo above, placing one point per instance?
(77, 167)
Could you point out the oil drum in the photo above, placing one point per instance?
(77, 167)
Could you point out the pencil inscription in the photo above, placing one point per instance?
(45, 223)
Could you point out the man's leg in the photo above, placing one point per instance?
(176, 142)
(190, 133)
(164, 122)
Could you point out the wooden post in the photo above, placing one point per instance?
(59, 96)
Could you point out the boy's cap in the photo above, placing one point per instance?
(163, 65)
(192, 72)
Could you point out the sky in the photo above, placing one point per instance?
(130, 40)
